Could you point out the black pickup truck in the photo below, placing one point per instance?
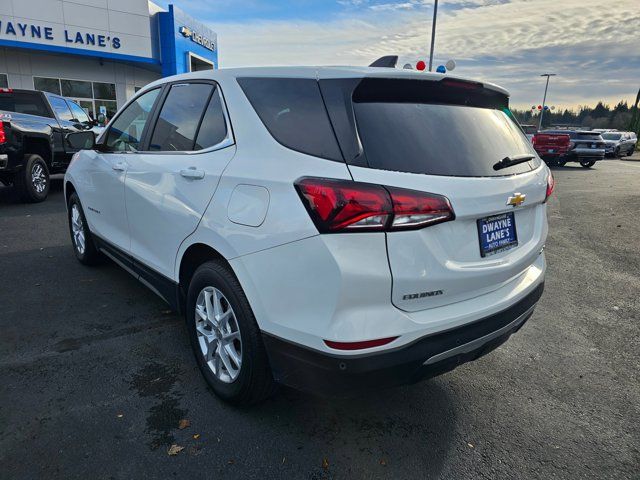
(33, 126)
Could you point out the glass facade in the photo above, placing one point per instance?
(94, 97)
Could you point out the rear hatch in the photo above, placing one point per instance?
(446, 137)
(588, 140)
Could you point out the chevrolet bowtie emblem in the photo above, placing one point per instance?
(185, 31)
(516, 200)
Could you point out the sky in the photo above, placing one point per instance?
(592, 45)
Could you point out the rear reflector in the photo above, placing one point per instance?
(359, 345)
(347, 206)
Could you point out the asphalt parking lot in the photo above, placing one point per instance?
(97, 373)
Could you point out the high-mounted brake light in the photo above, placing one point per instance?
(3, 135)
(551, 183)
(451, 82)
(347, 206)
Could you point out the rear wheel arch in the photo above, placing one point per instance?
(194, 256)
(39, 146)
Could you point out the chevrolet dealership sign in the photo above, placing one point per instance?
(207, 43)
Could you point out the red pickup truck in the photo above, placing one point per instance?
(557, 147)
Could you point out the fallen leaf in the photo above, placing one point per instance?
(184, 423)
(284, 459)
(231, 461)
(174, 449)
(196, 436)
(120, 415)
(325, 463)
(470, 445)
(167, 312)
(383, 462)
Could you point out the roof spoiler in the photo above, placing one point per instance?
(388, 61)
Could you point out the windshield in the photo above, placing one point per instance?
(440, 139)
(611, 136)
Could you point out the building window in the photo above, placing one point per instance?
(4, 82)
(94, 97)
(51, 85)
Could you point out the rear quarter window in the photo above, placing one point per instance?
(293, 112)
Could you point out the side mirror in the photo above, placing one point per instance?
(81, 140)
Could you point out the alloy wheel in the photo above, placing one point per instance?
(218, 334)
(38, 178)
(77, 229)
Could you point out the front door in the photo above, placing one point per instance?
(169, 186)
(103, 198)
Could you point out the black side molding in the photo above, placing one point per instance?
(162, 286)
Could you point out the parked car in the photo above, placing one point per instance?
(32, 129)
(303, 250)
(530, 131)
(618, 144)
(558, 147)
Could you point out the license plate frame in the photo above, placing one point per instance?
(489, 245)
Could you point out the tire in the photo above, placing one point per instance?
(616, 153)
(249, 382)
(81, 239)
(630, 152)
(33, 181)
(587, 163)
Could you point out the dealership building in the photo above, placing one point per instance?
(98, 52)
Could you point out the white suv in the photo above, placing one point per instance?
(332, 229)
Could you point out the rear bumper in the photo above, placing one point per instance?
(339, 375)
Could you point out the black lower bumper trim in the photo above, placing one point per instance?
(337, 375)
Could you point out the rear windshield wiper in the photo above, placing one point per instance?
(513, 160)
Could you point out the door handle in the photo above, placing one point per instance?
(192, 174)
(120, 166)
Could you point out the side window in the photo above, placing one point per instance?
(177, 125)
(293, 111)
(78, 113)
(126, 130)
(213, 128)
(61, 108)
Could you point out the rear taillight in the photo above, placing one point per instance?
(347, 206)
(6, 90)
(551, 183)
(3, 135)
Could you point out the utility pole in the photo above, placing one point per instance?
(433, 33)
(544, 99)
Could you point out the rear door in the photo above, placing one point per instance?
(170, 184)
(449, 142)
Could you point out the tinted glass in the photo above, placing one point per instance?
(24, 102)
(61, 108)
(213, 128)
(294, 113)
(588, 136)
(76, 88)
(611, 136)
(106, 91)
(126, 131)
(78, 113)
(51, 85)
(179, 117)
(4, 82)
(437, 139)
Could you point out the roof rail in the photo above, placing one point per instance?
(388, 61)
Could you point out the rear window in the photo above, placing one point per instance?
(24, 102)
(293, 112)
(611, 136)
(440, 139)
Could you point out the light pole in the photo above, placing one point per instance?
(433, 33)
(544, 99)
